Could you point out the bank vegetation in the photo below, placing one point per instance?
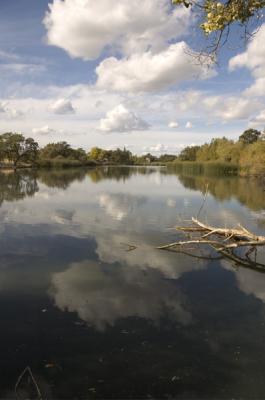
(245, 156)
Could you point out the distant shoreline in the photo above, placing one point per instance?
(185, 167)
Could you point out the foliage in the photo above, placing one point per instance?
(221, 155)
(252, 159)
(79, 154)
(189, 153)
(62, 155)
(117, 156)
(15, 147)
(250, 136)
(61, 162)
(53, 150)
(218, 15)
(223, 150)
(210, 168)
(226, 156)
(96, 154)
(164, 158)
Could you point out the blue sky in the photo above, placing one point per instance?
(118, 73)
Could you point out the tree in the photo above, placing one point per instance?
(119, 156)
(15, 147)
(218, 16)
(189, 153)
(252, 159)
(53, 150)
(149, 158)
(205, 153)
(167, 158)
(250, 136)
(96, 154)
(79, 154)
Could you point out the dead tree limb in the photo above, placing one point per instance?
(235, 233)
(224, 241)
(28, 371)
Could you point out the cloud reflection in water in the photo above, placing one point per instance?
(101, 295)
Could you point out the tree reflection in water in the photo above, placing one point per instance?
(248, 191)
(16, 185)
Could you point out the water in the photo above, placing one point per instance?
(94, 320)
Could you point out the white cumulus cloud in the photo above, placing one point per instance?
(2, 108)
(149, 72)
(173, 124)
(9, 112)
(120, 119)
(253, 59)
(44, 130)
(62, 106)
(161, 148)
(231, 108)
(259, 120)
(257, 88)
(84, 28)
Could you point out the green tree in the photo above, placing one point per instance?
(149, 158)
(15, 147)
(189, 153)
(119, 156)
(96, 154)
(54, 150)
(252, 158)
(250, 136)
(203, 153)
(223, 149)
(167, 158)
(79, 154)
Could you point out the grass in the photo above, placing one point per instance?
(204, 168)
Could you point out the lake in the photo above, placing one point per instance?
(95, 318)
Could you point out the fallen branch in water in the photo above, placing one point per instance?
(129, 247)
(224, 241)
(28, 371)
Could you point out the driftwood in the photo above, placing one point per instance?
(224, 241)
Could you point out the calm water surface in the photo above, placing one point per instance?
(94, 320)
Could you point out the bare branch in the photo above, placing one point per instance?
(225, 241)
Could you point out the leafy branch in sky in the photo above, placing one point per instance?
(217, 17)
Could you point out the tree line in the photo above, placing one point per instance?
(18, 150)
(248, 152)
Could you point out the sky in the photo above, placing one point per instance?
(119, 73)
